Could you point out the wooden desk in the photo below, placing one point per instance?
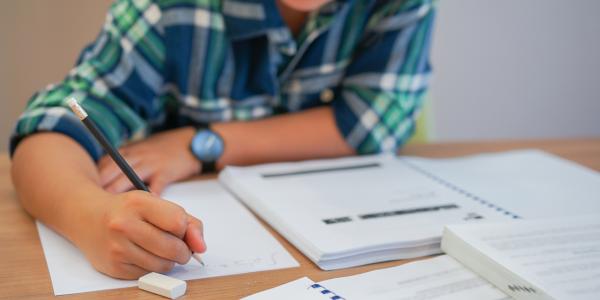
(23, 272)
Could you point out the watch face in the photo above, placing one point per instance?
(207, 146)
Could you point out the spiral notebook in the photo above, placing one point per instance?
(359, 210)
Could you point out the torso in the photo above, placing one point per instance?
(251, 77)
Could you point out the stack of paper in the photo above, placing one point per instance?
(555, 258)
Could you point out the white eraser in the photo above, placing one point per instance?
(162, 285)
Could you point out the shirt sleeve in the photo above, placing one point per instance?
(384, 86)
(117, 80)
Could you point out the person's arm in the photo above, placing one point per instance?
(54, 171)
(165, 157)
(303, 135)
(125, 235)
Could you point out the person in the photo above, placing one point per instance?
(184, 87)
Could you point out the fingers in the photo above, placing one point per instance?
(121, 182)
(194, 235)
(125, 271)
(115, 181)
(148, 232)
(158, 242)
(109, 170)
(157, 184)
(130, 261)
(163, 214)
(169, 217)
(148, 261)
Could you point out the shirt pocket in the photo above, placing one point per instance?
(311, 87)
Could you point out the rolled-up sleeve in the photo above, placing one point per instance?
(384, 85)
(116, 79)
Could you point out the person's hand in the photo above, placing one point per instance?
(159, 160)
(134, 233)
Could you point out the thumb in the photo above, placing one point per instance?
(194, 235)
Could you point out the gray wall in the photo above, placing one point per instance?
(503, 69)
(516, 69)
(39, 42)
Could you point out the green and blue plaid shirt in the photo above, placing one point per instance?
(168, 63)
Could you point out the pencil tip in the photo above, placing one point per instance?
(197, 257)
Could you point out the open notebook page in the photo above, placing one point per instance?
(237, 243)
(528, 183)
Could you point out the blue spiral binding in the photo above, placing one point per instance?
(460, 190)
(323, 290)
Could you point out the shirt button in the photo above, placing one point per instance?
(326, 95)
(288, 50)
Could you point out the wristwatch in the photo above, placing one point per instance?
(207, 146)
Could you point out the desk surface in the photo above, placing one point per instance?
(23, 272)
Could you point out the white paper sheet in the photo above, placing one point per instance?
(237, 243)
(440, 278)
(299, 289)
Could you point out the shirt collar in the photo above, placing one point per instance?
(250, 18)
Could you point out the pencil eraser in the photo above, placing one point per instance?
(76, 108)
(162, 285)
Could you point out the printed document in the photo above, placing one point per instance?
(440, 278)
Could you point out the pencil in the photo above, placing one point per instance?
(114, 153)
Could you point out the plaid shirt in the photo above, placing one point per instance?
(163, 64)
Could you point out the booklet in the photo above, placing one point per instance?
(353, 211)
(557, 258)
